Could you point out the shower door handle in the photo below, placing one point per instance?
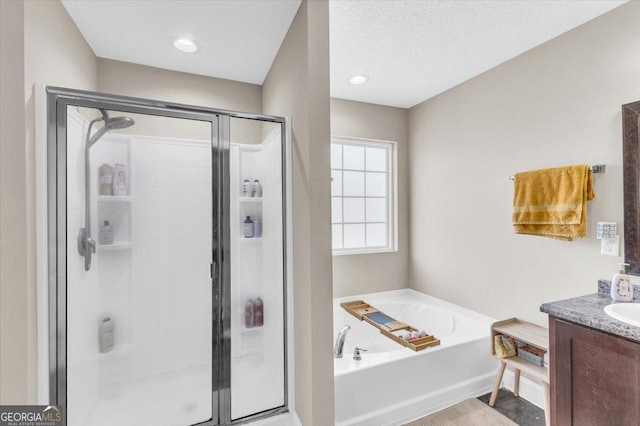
(212, 270)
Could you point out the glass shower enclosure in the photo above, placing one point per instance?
(167, 251)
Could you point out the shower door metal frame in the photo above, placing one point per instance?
(58, 99)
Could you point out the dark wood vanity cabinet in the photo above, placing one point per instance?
(595, 377)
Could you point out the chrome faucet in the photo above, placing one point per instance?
(337, 349)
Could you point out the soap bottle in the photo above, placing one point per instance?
(246, 188)
(621, 287)
(105, 179)
(258, 317)
(106, 335)
(248, 227)
(256, 189)
(106, 234)
(249, 314)
(257, 227)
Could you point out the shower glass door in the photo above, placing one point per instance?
(139, 314)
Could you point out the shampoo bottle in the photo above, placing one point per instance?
(257, 227)
(106, 335)
(106, 234)
(105, 179)
(621, 287)
(246, 188)
(249, 314)
(256, 189)
(258, 318)
(248, 227)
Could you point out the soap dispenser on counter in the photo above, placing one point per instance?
(621, 287)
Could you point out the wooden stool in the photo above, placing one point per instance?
(530, 334)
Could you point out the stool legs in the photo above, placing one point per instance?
(516, 383)
(496, 385)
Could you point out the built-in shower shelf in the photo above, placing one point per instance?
(246, 330)
(251, 240)
(118, 351)
(118, 245)
(250, 199)
(114, 198)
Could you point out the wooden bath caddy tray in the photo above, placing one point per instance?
(388, 326)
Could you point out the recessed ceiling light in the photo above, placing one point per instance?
(358, 79)
(185, 45)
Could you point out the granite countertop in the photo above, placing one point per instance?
(589, 311)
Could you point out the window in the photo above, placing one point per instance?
(362, 196)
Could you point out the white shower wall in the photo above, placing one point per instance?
(172, 216)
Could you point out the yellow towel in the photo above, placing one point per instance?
(553, 202)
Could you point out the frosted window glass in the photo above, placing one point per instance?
(376, 235)
(376, 209)
(354, 210)
(376, 184)
(336, 236)
(336, 209)
(336, 182)
(336, 156)
(353, 236)
(377, 159)
(361, 197)
(353, 157)
(353, 184)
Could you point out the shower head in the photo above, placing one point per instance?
(116, 122)
(109, 124)
(119, 123)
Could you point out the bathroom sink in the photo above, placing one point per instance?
(625, 312)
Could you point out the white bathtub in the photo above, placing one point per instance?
(393, 384)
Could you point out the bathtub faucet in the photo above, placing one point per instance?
(337, 349)
(356, 353)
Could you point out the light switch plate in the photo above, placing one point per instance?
(610, 246)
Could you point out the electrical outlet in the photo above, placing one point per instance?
(610, 246)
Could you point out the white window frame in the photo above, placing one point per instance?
(392, 205)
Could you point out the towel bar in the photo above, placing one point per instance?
(596, 168)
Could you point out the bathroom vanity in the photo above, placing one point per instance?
(594, 363)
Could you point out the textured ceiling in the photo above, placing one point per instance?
(413, 50)
(238, 39)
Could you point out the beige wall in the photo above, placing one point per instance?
(124, 78)
(366, 273)
(43, 46)
(555, 105)
(14, 388)
(298, 86)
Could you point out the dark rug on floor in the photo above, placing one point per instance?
(517, 410)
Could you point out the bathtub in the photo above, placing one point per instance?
(392, 384)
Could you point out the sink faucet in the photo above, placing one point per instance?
(337, 349)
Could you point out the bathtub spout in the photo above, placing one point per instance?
(337, 349)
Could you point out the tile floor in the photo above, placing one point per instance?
(517, 410)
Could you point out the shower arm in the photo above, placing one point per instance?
(86, 244)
